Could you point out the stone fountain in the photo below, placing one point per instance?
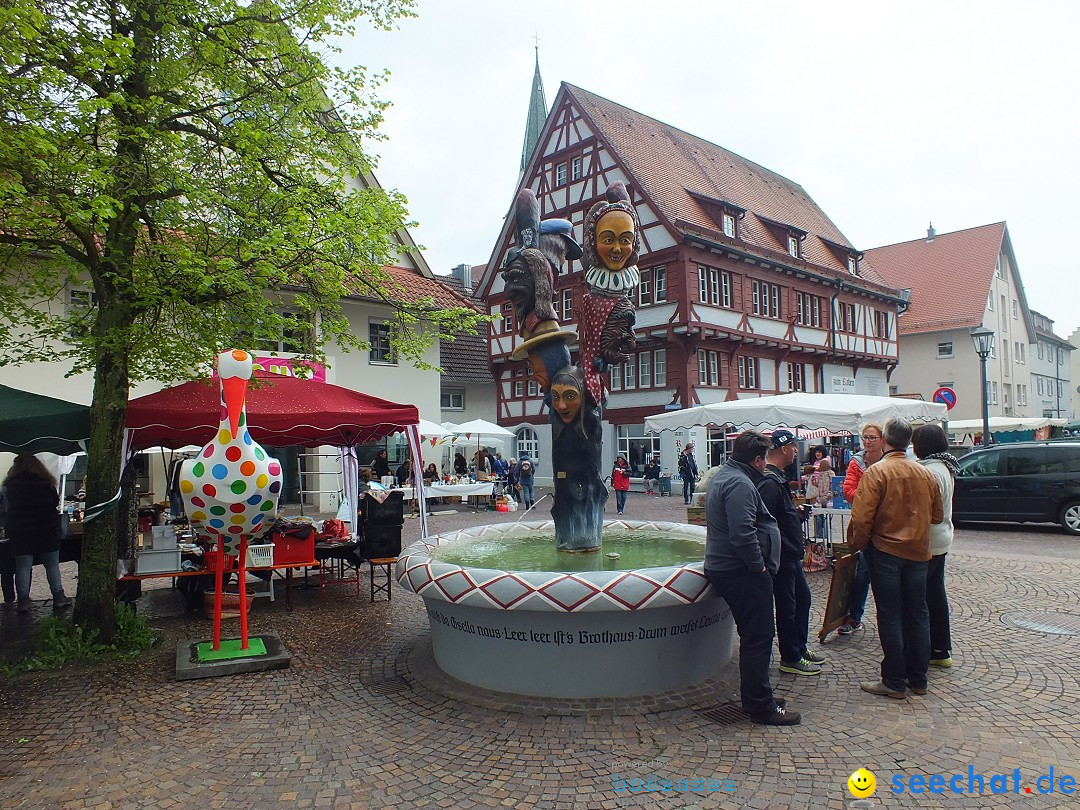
(583, 625)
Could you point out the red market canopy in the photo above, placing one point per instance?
(281, 412)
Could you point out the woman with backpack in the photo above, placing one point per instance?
(526, 472)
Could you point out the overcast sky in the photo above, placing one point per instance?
(889, 115)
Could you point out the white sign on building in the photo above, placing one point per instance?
(841, 385)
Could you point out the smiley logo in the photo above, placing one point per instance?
(861, 783)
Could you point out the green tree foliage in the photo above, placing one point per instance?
(182, 160)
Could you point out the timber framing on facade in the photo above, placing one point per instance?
(747, 287)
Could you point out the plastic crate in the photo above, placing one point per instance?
(213, 557)
(260, 555)
(150, 561)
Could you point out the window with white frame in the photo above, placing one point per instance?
(766, 299)
(637, 446)
(645, 370)
(80, 306)
(381, 352)
(990, 302)
(1060, 356)
(748, 372)
(808, 309)
(629, 373)
(519, 389)
(453, 399)
(993, 351)
(852, 265)
(527, 443)
(1021, 353)
(796, 377)
(659, 284)
(560, 174)
(568, 305)
(944, 349)
(1059, 390)
(1039, 349)
(999, 268)
(725, 289)
(993, 392)
(645, 288)
(1006, 396)
(1015, 310)
(575, 169)
(532, 389)
(616, 377)
(881, 324)
(1039, 385)
(847, 318)
(660, 367)
(708, 367)
(507, 311)
(1003, 318)
(729, 225)
(793, 246)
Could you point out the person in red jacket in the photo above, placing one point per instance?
(620, 480)
(860, 586)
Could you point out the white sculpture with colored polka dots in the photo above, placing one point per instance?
(231, 488)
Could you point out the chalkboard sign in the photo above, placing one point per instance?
(836, 608)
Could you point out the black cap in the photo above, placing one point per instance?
(782, 438)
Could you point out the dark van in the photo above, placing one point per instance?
(1036, 482)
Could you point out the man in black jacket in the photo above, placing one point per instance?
(790, 589)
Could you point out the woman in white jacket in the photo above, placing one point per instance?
(932, 448)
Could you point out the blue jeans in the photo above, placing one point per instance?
(792, 596)
(688, 489)
(620, 499)
(937, 603)
(24, 565)
(903, 620)
(750, 597)
(860, 588)
(527, 492)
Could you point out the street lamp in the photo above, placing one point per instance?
(983, 339)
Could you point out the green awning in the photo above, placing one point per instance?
(31, 423)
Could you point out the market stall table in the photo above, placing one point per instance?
(202, 572)
(464, 491)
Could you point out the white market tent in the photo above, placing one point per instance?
(1004, 424)
(835, 412)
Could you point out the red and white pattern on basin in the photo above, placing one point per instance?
(561, 591)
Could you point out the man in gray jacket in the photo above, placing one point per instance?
(742, 553)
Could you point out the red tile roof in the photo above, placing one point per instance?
(409, 286)
(675, 169)
(949, 277)
(464, 359)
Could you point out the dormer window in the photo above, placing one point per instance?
(729, 225)
(793, 245)
(851, 265)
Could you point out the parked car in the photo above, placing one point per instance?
(1036, 482)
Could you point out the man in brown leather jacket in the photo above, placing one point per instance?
(897, 501)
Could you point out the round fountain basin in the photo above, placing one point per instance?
(592, 630)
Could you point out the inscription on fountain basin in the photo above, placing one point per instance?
(560, 638)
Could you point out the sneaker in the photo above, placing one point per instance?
(61, 601)
(849, 627)
(944, 663)
(813, 657)
(800, 667)
(881, 689)
(780, 716)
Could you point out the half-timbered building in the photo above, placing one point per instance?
(747, 287)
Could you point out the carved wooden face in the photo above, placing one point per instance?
(615, 239)
(617, 338)
(566, 401)
(539, 370)
(520, 287)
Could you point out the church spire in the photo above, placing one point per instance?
(537, 114)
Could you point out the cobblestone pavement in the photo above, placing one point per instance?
(362, 719)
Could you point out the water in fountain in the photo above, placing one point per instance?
(528, 549)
